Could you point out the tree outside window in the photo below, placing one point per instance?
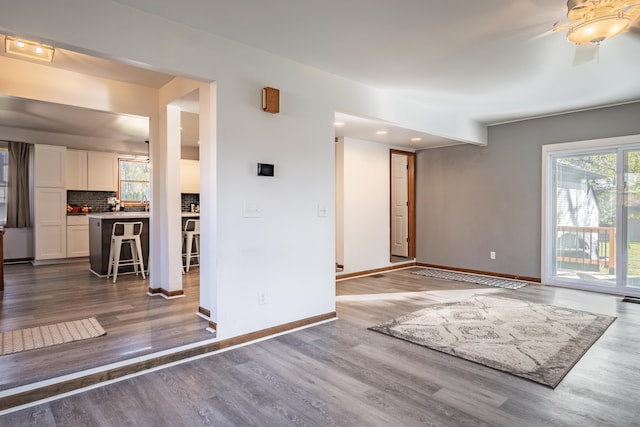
(134, 181)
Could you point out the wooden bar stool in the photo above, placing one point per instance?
(126, 233)
(191, 236)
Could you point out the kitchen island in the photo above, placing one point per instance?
(100, 226)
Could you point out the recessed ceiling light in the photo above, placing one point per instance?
(28, 49)
(416, 139)
(381, 132)
(338, 123)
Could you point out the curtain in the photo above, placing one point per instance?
(18, 210)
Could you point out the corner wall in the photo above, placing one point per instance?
(366, 210)
(472, 200)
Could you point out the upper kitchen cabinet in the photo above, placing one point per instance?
(76, 170)
(189, 176)
(102, 171)
(92, 170)
(49, 165)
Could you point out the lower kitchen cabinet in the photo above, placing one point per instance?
(77, 236)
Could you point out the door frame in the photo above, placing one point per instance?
(411, 198)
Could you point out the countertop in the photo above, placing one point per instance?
(116, 215)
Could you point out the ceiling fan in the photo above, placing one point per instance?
(594, 21)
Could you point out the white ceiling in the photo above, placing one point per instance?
(69, 120)
(492, 60)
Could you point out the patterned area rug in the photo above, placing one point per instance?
(472, 278)
(534, 341)
(44, 336)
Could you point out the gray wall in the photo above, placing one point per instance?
(472, 200)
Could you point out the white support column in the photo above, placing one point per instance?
(166, 223)
(208, 205)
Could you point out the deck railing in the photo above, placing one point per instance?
(576, 246)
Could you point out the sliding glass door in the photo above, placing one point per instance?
(592, 227)
(631, 212)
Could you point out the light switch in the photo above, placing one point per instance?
(322, 211)
(251, 211)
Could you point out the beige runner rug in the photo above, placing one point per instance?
(48, 335)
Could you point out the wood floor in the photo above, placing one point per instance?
(136, 324)
(339, 373)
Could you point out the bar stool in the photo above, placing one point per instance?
(123, 233)
(191, 235)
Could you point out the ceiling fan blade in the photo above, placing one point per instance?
(556, 27)
(585, 53)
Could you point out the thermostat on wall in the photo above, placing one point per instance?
(265, 169)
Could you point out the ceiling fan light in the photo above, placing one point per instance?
(598, 29)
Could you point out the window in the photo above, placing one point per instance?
(134, 182)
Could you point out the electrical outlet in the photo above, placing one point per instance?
(492, 255)
(262, 298)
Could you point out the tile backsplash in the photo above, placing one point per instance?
(187, 199)
(98, 200)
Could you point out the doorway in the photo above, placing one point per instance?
(402, 205)
(592, 228)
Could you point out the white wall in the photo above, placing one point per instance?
(339, 144)
(288, 253)
(366, 205)
(18, 243)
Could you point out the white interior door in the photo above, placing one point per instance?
(400, 203)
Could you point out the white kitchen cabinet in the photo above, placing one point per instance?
(49, 166)
(76, 170)
(49, 202)
(77, 236)
(50, 218)
(189, 176)
(102, 171)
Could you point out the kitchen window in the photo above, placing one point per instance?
(134, 182)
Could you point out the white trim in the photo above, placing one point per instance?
(136, 157)
(207, 318)
(165, 296)
(590, 144)
(562, 113)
